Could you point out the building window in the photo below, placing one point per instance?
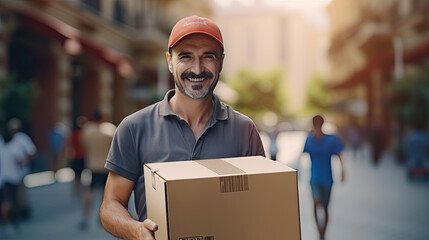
(92, 5)
(119, 12)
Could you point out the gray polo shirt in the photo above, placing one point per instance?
(156, 134)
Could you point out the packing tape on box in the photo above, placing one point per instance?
(220, 167)
(237, 181)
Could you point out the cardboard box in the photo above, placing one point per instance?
(246, 198)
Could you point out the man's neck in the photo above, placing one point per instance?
(195, 112)
(319, 134)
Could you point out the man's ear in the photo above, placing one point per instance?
(221, 62)
(168, 57)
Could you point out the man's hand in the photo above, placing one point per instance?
(147, 230)
(342, 167)
(114, 214)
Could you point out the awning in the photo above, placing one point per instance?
(47, 26)
(417, 54)
(414, 55)
(74, 42)
(363, 74)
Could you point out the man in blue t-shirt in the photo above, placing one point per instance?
(321, 147)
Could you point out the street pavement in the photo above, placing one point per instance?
(373, 203)
(56, 214)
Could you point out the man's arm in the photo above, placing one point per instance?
(114, 214)
(342, 167)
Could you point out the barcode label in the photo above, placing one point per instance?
(238, 183)
(198, 238)
(192, 238)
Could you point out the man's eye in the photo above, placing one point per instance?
(210, 57)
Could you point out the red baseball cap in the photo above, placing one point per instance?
(194, 24)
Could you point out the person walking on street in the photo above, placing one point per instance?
(354, 138)
(189, 123)
(16, 153)
(96, 137)
(273, 134)
(57, 145)
(76, 154)
(321, 147)
(416, 152)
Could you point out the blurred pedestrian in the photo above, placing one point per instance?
(416, 152)
(321, 147)
(189, 123)
(97, 137)
(273, 133)
(376, 135)
(16, 154)
(76, 154)
(354, 137)
(57, 142)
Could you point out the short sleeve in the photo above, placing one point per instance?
(28, 145)
(123, 155)
(257, 147)
(338, 145)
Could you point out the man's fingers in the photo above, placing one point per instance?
(151, 225)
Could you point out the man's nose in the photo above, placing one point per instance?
(197, 67)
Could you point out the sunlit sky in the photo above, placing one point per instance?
(314, 10)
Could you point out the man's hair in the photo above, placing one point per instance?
(97, 115)
(318, 120)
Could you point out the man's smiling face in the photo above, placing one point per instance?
(196, 62)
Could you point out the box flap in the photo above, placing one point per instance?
(220, 167)
(258, 165)
(181, 170)
(217, 167)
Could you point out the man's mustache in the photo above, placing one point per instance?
(204, 74)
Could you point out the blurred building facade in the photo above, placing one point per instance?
(87, 54)
(374, 43)
(263, 37)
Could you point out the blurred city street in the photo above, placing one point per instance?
(374, 203)
(363, 65)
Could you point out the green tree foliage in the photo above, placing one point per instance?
(16, 99)
(410, 100)
(259, 92)
(318, 98)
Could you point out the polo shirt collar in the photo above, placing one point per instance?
(164, 107)
(220, 111)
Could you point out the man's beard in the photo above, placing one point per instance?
(196, 94)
